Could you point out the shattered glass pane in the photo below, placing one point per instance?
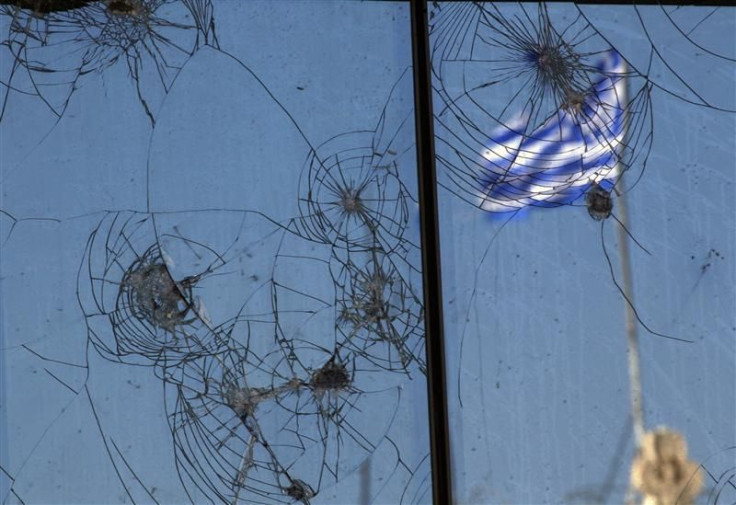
(210, 273)
(585, 158)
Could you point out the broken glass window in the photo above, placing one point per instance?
(211, 280)
(585, 160)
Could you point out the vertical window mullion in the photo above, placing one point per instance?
(430, 244)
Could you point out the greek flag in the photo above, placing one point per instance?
(555, 164)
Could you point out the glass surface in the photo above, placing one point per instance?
(210, 279)
(546, 115)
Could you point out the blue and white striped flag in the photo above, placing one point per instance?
(556, 163)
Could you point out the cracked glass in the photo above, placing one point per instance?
(585, 160)
(210, 273)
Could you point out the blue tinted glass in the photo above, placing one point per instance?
(586, 170)
(211, 280)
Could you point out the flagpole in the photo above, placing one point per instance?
(632, 337)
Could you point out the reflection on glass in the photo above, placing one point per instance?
(211, 282)
(586, 169)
